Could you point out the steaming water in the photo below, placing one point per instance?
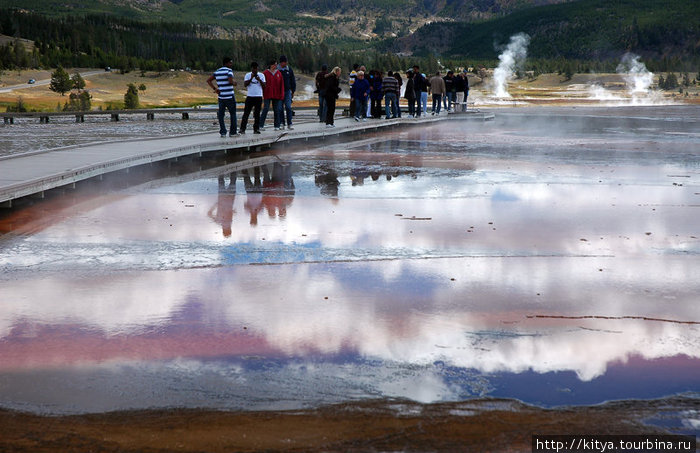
(551, 256)
(638, 80)
(512, 57)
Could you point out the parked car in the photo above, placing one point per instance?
(31, 81)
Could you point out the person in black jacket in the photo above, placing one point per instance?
(290, 86)
(397, 76)
(410, 94)
(466, 89)
(463, 93)
(449, 97)
(321, 90)
(419, 86)
(332, 91)
(458, 85)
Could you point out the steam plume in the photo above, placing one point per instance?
(638, 80)
(635, 73)
(511, 58)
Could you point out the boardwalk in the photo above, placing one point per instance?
(32, 174)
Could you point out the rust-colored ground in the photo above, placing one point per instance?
(498, 426)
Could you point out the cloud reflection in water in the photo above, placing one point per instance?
(345, 285)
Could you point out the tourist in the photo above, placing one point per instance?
(360, 93)
(227, 98)
(410, 94)
(424, 94)
(466, 89)
(459, 92)
(290, 86)
(273, 93)
(254, 81)
(398, 78)
(321, 90)
(332, 91)
(390, 89)
(437, 89)
(376, 93)
(364, 69)
(351, 80)
(419, 86)
(449, 98)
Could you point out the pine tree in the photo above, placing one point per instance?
(78, 82)
(60, 81)
(131, 97)
(671, 81)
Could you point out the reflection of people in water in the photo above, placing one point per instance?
(326, 180)
(278, 191)
(275, 192)
(253, 189)
(358, 175)
(224, 205)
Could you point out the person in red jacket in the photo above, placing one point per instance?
(273, 93)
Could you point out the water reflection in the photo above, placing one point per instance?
(419, 266)
(403, 330)
(274, 193)
(326, 179)
(222, 212)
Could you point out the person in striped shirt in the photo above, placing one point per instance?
(390, 88)
(227, 99)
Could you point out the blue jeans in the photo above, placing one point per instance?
(322, 106)
(424, 101)
(390, 101)
(361, 108)
(449, 100)
(225, 104)
(288, 106)
(276, 111)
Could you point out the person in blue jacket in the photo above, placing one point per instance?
(290, 86)
(360, 93)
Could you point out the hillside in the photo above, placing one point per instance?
(585, 29)
(289, 20)
(161, 34)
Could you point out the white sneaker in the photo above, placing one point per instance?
(290, 127)
(364, 120)
(330, 125)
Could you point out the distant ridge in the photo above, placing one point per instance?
(585, 29)
(290, 20)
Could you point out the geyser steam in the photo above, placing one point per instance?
(512, 57)
(636, 74)
(638, 80)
